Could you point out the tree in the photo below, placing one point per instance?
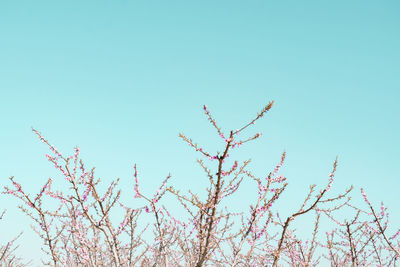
(82, 232)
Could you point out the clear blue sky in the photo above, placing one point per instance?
(121, 79)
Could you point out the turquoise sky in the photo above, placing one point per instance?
(121, 79)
